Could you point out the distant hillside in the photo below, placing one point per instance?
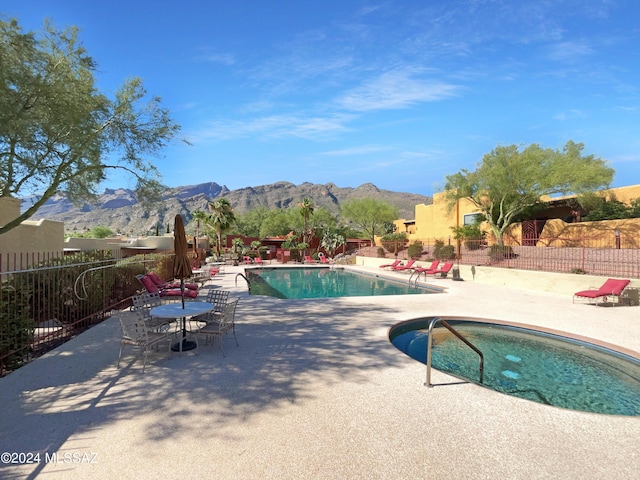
(119, 210)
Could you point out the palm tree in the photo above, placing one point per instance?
(221, 219)
(200, 217)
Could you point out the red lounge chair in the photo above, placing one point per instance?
(611, 288)
(391, 265)
(308, 259)
(169, 292)
(443, 272)
(433, 266)
(403, 268)
(323, 258)
(162, 285)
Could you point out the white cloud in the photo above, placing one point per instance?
(362, 150)
(568, 51)
(395, 90)
(273, 126)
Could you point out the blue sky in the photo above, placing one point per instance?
(396, 93)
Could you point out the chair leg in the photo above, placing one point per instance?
(119, 356)
(221, 347)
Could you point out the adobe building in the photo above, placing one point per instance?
(557, 221)
(30, 236)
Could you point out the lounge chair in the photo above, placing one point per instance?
(404, 268)
(442, 271)
(168, 292)
(433, 266)
(161, 284)
(391, 265)
(308, 259)
(323, 258)
(611, 288)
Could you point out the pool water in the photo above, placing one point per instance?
(525, 363)
(320, 282)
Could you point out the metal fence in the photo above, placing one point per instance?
(48, 298)
(591, 255)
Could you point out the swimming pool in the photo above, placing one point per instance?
(526, 363)
(324, 282)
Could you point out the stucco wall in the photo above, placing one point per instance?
(30, 236)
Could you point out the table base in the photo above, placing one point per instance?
(183, 346)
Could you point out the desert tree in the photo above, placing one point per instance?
(510, 180)
(369, 215)
(59, 133)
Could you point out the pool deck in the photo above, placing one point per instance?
(315, 390)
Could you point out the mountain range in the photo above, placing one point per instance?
(119, 210)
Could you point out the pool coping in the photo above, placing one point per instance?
(581, 338)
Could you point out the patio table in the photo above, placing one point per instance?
(175, 311)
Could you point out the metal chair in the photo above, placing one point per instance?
(143, 303)
(135, 332)
(222, 325)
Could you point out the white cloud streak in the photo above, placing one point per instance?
(395, 90)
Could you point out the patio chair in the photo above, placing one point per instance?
(222, 325)
(135, 332)
(404, 268)
(219, 299)
(391, 265)
(143, 304)
(610, 288)
(151, 287)
(308, 259)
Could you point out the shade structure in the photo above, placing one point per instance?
(181, 270)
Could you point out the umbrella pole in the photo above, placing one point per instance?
(183, 345)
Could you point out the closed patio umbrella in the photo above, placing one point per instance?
(181, 270)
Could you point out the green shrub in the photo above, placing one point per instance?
(443, 252)
(380, 251)
(16, 322)
(415, 250)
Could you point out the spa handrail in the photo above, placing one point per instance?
(457, 334)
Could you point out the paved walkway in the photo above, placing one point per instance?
(315, 390)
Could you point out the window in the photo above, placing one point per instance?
(472, 219)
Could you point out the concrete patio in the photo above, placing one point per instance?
(315, 390)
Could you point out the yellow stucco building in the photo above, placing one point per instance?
(434, 222)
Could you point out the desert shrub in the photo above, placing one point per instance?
(394, 242)
(380, 251)
(16, 322)
(500, 252)
(442, 251)
(415, 249)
